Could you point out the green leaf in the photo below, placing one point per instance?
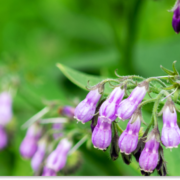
(81, 79)
(167, 70)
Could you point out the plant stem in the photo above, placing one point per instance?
(156, 104)
(53, 120)
(78, 144)
(35, 117)
(156, 79)
(119, 128)
(146, 102)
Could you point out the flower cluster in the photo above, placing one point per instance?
(147, 150)
(38, 147)
(109, 110)
(5, 116)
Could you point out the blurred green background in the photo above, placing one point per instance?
(92, 36)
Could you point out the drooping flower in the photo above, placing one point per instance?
(101, 136)
(129, 138)
(67, 111)
(86, 108)
(176, 17)
(170, 136)
(57, 159)
(109, 107)
(127, 107)
(28, 146)
(38, 157)
(58, 126)
(149, 156)
(3, 138)
(48, 172)
(5, 108)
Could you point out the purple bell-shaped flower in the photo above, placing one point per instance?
(149, 156)
(176, 17)
(127, 107)
(170, 135)
(57, 159)
(129, 138)
(67, 111)
(29, 146)
(85, 110)
(109, 106)
(38, 157)
(101, 136)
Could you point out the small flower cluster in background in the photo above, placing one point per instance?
(48, 147)
(104, 111)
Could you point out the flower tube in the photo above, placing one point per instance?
(101, 136)
(170, 136)
(129, 138)
(57, 159)
(127, 107)
(176, 17)
(38, 157)
(67, 111)
(29, 146)
(109, 107)
(149, 156)
(85, 110)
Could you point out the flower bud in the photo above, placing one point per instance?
(101, 136)
(67, 111)
(170, 136)
(176, 17)
(28, 147)
(149, 156)
(58, 126)
(127, 107)
(161, 167)
(38, 157)
(5, 108)
(114, 151)
(3, 138)
(57, 159)
(129, 138)
(126, 158)
(86, 108)
(48, 172)
(109, 107)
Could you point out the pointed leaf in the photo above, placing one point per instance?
(169, 87)
(167, 70)
(174, 68)
(81, 79)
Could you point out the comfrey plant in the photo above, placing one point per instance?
(106, 111)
